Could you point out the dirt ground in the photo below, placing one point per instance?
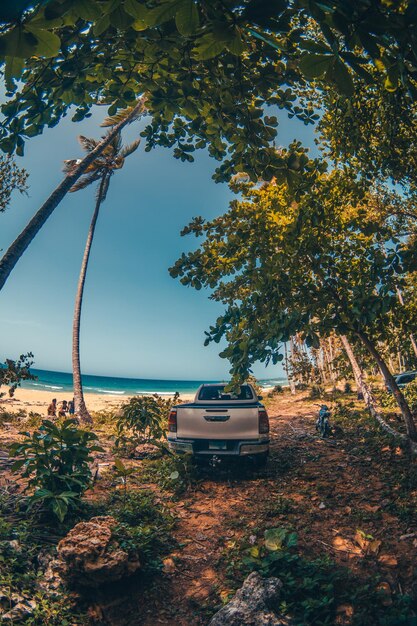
(332, 492)
(326, 490)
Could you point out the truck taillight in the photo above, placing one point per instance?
(172, 421)
(263, 422)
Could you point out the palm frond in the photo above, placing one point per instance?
(87, 143)
(121, 115)
(129, 149)
(85, 181)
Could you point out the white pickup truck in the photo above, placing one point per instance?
(221, 423)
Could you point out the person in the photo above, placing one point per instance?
(63, 408)
(71, 407)
(52, 408)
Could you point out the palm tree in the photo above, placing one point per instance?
(23, 240)
(101, 169)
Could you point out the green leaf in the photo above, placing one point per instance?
(187, 18)
(274, 538)
(342, 77)
(209, 47)
(174, 475)
(14, 67)
(48, 44)
(119, 465)
(60, 508)
(315, 65)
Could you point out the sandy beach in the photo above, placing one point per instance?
(38, 401)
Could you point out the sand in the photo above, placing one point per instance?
(38, 401)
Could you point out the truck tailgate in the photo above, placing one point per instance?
(215, 422)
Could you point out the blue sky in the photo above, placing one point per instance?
(137, 321)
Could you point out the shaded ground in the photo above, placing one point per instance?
(351, 497)
(326, 490)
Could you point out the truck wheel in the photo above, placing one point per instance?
(261, 459)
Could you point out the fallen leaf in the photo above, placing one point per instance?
(168, 566)
(388, 560)
(345, 545)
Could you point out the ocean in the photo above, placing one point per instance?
(62, 381)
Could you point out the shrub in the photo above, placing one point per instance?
(174, 473)
(144, 525)
(347, 388)
(56, 459)
(143, 420)
(316, 392)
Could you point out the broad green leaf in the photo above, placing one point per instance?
(315, 65)
(119, 465)
(48, 44)
(174, 475)
(342, 77)
(187, 18)
(14, 67)
(208, 47)
(60, 508)
(274, 538)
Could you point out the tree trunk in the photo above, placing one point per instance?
(390, 381)
(290, 380)
(366, 391)
(80, 406)
(23, 240)
(412, 339)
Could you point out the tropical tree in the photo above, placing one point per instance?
(311, 266)
(100, 170)
(12, 178)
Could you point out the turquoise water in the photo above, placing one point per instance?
(62, 381)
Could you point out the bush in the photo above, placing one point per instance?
(56, 460)
(316, 392)
(144, 525)
(347, 388)
(143, 420)
(174, 473)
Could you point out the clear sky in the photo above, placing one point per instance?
(136, 321)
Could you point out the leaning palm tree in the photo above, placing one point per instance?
(24, 239)
(101, 169)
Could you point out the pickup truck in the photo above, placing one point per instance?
(221, 424)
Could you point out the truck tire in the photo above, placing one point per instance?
(261, 459)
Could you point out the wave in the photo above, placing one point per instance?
(160, 393)
(112, 391)
(45, 386)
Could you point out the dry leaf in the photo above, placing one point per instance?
(388, 560)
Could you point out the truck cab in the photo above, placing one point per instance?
(221, 423)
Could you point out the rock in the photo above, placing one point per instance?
(21, 609)
(255, 604)
(90, 556)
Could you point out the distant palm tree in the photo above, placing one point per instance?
(101, 169)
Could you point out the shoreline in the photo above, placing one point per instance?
(37, 401)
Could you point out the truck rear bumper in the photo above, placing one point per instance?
(204, 447)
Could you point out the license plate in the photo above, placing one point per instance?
(217, 445)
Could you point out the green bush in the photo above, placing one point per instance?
(174, 473)
(56, 460)
(144, 525)
(313, 589)
(143, 420)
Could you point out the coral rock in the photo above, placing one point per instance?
(255, 604)
(90, 556)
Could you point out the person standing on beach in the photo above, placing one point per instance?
(71, 407)
(52, 408)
